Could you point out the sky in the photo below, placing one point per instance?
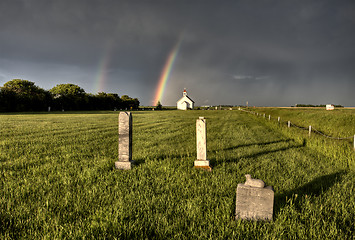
(266, 52)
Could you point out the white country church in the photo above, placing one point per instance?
(185, 102)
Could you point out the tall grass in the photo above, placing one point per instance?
(57, 179)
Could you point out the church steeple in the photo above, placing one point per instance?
(184, 93)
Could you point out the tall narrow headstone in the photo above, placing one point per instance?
(201, 144)
(309, 130)
(254, 201)
(124, 141)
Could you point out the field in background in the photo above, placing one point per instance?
(57, 178)
(339, 123)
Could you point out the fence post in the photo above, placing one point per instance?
(278, 119)
(264, 115)
(309, 130)
(288, 123)
(269, 117)
(354, 142)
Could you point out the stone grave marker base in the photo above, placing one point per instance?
(124, 165)
(208, 168)
(203, 164)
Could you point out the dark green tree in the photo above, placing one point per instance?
(159, 106)
(107, 101)
(129, 103)
(69, 97)
(24, 95)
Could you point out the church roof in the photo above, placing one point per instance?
(187, 98)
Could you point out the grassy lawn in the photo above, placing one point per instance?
(57, 177)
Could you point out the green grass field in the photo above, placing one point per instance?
(339, 123)
(57, 177)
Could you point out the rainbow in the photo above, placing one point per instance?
(104, 63)
(101, 75)
(165, 73)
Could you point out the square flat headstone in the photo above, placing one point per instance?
(254, 203)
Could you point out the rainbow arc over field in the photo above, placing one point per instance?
(101, 74)
(104, 62)
(166, 71)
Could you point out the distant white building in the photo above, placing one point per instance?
(185, 102)
(329, 107)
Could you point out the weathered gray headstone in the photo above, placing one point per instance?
(254, 201)
(201, 144)
(124, 141)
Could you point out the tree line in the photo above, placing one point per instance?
(23, 95)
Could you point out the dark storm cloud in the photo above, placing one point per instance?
(267, 52)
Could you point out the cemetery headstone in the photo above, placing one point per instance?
(201, 144)
(254, 201)
(309, 130)
(124, 141)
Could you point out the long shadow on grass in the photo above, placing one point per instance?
(162, 157)
(256, 144)
(313, 188)
(138, 161)
(215, 163)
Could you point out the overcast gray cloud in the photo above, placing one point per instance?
(270, 53)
